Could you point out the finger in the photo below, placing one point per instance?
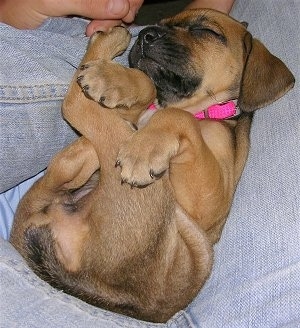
(95, 9)
(129, 18)
(134, 8)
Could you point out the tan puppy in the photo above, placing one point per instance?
(146, 252)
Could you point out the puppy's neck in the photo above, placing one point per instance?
(203, 100)
(217, 111)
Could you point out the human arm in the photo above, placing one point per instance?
(30, 14)
(221, 5)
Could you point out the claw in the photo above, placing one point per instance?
(156, 175)
(134, 184)
(144, 185)
(151, 173)
(118, 163)
(85, 88)
(134, 126)
(84, 66)
(79, 78)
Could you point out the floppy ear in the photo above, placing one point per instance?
(265, 77)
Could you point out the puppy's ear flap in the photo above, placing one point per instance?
(265, 77)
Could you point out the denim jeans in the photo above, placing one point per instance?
(255, 280)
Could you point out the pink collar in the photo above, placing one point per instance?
(221, 111)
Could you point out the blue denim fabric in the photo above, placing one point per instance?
(8, 204)
(255, 280)
(37, 66)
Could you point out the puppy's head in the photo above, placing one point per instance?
(201, 57)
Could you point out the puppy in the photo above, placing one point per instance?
(146, 252)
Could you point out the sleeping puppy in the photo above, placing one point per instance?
(146, 252)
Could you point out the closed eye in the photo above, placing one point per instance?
(200, 31)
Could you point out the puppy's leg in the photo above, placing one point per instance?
(114, 86)
(126, 91)
(72, 167)
(172, 142)
(50, 199)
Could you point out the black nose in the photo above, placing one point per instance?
(151, 34)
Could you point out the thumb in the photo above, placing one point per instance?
(95, 9)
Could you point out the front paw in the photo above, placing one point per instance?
(146, 156)
(108, 83)
(97, 80)
(111, 43)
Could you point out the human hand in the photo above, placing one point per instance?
(221, 5)
(104, 24)
(30, 14)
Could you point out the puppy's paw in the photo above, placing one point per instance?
(98, 81)
(110, 84)
(110, 44)
(146, 156)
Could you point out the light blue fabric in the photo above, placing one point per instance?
(256, 275)
(36, 71)
(37, 67)
(8, 204)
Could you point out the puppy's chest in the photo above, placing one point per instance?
(145, 117)
(218, 135)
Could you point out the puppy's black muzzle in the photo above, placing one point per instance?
(166, 60)
(150, 35)
(144, 46)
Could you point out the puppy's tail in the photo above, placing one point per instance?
(242, 133)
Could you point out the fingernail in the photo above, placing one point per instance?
(117, 7)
